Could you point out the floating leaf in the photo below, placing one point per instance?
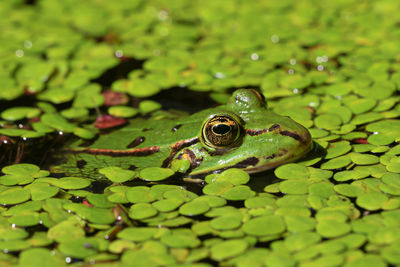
(155, 174)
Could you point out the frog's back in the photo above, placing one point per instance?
(142, 143)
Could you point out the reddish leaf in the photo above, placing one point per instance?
(361, 141)
(86, 203)
(112, 98)
(108, 121)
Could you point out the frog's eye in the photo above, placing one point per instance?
(221, 131)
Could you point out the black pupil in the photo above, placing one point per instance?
(221, 129)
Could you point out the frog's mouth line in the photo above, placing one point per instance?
(137, 152)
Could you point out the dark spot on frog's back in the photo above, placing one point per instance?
(251, 161)
(274, 127)
(80, 164)
(136, 142)
(176, 128)
(90, 142)
(252, 132)
(292, 135)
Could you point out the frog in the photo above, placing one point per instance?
(244, 133)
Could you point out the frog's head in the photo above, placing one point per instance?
(244, 134)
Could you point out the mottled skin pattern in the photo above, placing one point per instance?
(266, 140)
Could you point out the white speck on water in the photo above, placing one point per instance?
(291, 71)
(20, 125)
(292, 61)
(275, 38)
(313, 104)
(219, 75)
(67, 259)
(13, 225)
(295, 90)
(19, 53)
(60, 132)
(24, 138)
(5, 142)
(320, 67)
(254, 56)
(119, 53)
(375, 133)
(5, 250)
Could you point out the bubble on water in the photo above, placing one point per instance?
(60, 132)
(163, 15)
(28, 44)
(321, 59)
(13, 225)
(295, 90)
(88, 245)
(320, 68)
(67, 259)
(24, 138)
(275, 38)
(254, 56)
(291, 71)
(292, 61)
(19, 53)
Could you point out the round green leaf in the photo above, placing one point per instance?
(154, 174)
(193, 208)
(122, 111)
(117, 175)
(257, 225)
(39, 257)
(141, 211)
(18, 113)
(14, 195)
(139, 194)
(137, 233)
(371, 200)
(240, 192)
(332, 228)
(292, 171)
(228, 249)
(363, 159)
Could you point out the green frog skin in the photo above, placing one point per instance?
(241, 134)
